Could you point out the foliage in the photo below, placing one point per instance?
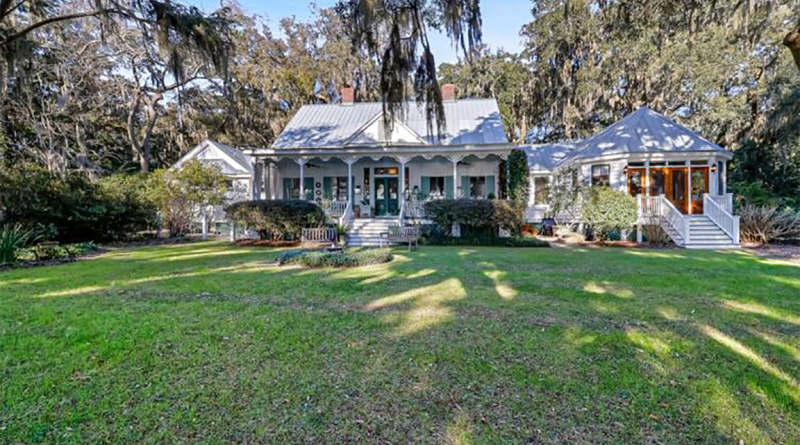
(655, 235)
(72, 207)
(476, 214)
(51, 251)
(765, 223)
(567, 194)
(318, 259)
(607, 210)
(499, 75)
(518, 177)
(278, 219)
(183, 194)
(12, 239)
(393, 33)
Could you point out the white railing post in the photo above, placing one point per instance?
(736, 230)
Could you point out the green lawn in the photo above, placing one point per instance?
(207, 343)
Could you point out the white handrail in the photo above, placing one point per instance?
(674, 218)
(724, 201)
(401, 215)
(347, 216)
(726, 221)
(334, 209)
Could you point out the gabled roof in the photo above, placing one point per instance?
(468, 122)
(644, 131)
(230, 160)
(546, 158)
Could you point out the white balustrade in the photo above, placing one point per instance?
(721, 217)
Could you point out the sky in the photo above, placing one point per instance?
(502, 20)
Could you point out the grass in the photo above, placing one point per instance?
(208, 343)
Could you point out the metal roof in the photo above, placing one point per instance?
(546, 158)
(468, 122)
(643, 131)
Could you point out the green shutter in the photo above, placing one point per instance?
(448, 187)
(308, 186)
(327, 188)
(425, 187)
(490, 187)
(287, 188)
(465, 187)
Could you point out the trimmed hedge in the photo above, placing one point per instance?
(277, 219)
(476, 215)
(609, 211)
(317, 259)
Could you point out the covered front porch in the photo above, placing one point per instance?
(385, 183)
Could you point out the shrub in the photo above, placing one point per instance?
(12, 239)
(654, 234)
(73, 208)
(183, 194)
(608, 210)
(317, 259)
(277, 218)
(764, 224)
(476, 215)
(518, 177)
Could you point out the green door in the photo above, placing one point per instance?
(386, 197)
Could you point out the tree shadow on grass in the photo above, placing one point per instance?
(504, 344)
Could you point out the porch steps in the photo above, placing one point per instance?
(367, 232)
(705, 234)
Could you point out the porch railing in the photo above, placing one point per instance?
(347, 215)
(649, 209)
(674, 218)
(334, 209)
(724, 201)
(415, 209)
(726, 221)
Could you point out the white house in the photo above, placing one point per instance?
(677, 175)
(367, 177)
(233, 163)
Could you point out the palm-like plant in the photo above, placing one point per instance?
(13, 238)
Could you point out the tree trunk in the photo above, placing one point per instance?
(792, 41)
(143, 149)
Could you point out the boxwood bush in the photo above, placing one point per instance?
(476, 216)
(317, 259)
(608, 210)
(277, 219)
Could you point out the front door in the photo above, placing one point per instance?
(386, 197)
(676, 192)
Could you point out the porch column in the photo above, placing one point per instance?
(647, 178)
(689, 191)
(724, 174)
(402, 186)
(302, 163)
(350, 194)
(455, 159)
(254, 181)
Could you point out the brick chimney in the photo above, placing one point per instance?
(348, 96)
(448, 92)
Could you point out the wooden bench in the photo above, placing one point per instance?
(402, 235)
(319, 235)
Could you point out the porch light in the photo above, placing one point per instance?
(357, 190)
(625, 171)
(713, 168)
